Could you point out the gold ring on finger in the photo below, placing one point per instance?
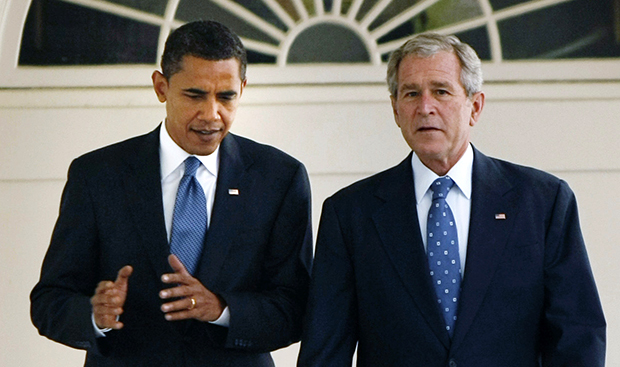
(193, 305)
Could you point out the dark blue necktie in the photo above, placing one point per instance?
(189, 223)
(443, 252)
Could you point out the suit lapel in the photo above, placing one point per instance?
(228, 207)
(397, 223)
(493, 209)
(143, 188)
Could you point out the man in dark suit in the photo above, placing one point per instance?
(490, 271)
(244, 292)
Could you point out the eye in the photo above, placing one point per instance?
(412, 93)
(227, 97)
(442, 92)
(193, 96)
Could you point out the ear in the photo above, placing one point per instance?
(477, 104)
(160, 84)
(395, 108)
(243, 84)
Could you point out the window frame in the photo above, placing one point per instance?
(13, 15)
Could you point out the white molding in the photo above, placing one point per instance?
(261, 95)
(139, 76)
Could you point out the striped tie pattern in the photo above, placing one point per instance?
(189, 223)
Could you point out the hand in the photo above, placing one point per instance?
(206, 305)
(109, 300)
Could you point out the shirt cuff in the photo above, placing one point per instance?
(224, 319)
(99, 333)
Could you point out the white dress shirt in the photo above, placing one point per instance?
(459, 197)
(172, 158)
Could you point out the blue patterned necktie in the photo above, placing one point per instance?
(443, 252)
(189, 223)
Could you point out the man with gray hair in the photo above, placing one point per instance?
(451, 258)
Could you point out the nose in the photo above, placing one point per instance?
(426, 104)
(210, 110)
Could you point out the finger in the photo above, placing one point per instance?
(122, 278)
(179, 315)
(107, 300)
(105, 310)
(107, 321)
(177, 278)
(177, 292)
(104, 287)
(180, 305)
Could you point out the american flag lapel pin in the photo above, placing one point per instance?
(233, 192)
(500, 216)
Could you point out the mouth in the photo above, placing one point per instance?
(427, 129)
(206, 132)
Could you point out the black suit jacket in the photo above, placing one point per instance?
(257, 253)
(528, 296)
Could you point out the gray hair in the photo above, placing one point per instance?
(429, 44)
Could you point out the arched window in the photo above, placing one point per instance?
(325, 34)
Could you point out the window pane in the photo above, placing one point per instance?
(59, 33)
(394, 9)
(501, 4)
(575, 29)
(259, 8)
(448, 12)
(328, 43)
(478, 39)
(157, 7)
(191, 10)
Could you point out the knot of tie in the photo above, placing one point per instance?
(191, 165)
(441, 187)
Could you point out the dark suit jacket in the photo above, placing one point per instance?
(257, 253)
(528, 296)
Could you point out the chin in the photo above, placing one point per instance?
(204, 151)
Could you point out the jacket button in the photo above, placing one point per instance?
(452, 363)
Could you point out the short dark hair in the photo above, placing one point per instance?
(205, 39)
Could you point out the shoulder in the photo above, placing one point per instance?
(525, 179)
(265, 156)
(397, 179)
(524, 174)
(118, 155)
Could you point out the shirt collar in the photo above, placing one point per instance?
(171, 155)
(460, 173)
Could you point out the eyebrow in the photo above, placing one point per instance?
(435, 84)
(441, 84)
(197, 91)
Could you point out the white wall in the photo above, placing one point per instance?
(342, 133)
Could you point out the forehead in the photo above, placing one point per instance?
(199, 69)
(442, 67)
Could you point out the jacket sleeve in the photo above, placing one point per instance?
(573, 329)
(330, 327)
(60, 302)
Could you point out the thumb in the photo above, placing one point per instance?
(123, 277)
(177, 265)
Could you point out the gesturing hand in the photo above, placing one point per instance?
(195, 301)
(109, 300)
